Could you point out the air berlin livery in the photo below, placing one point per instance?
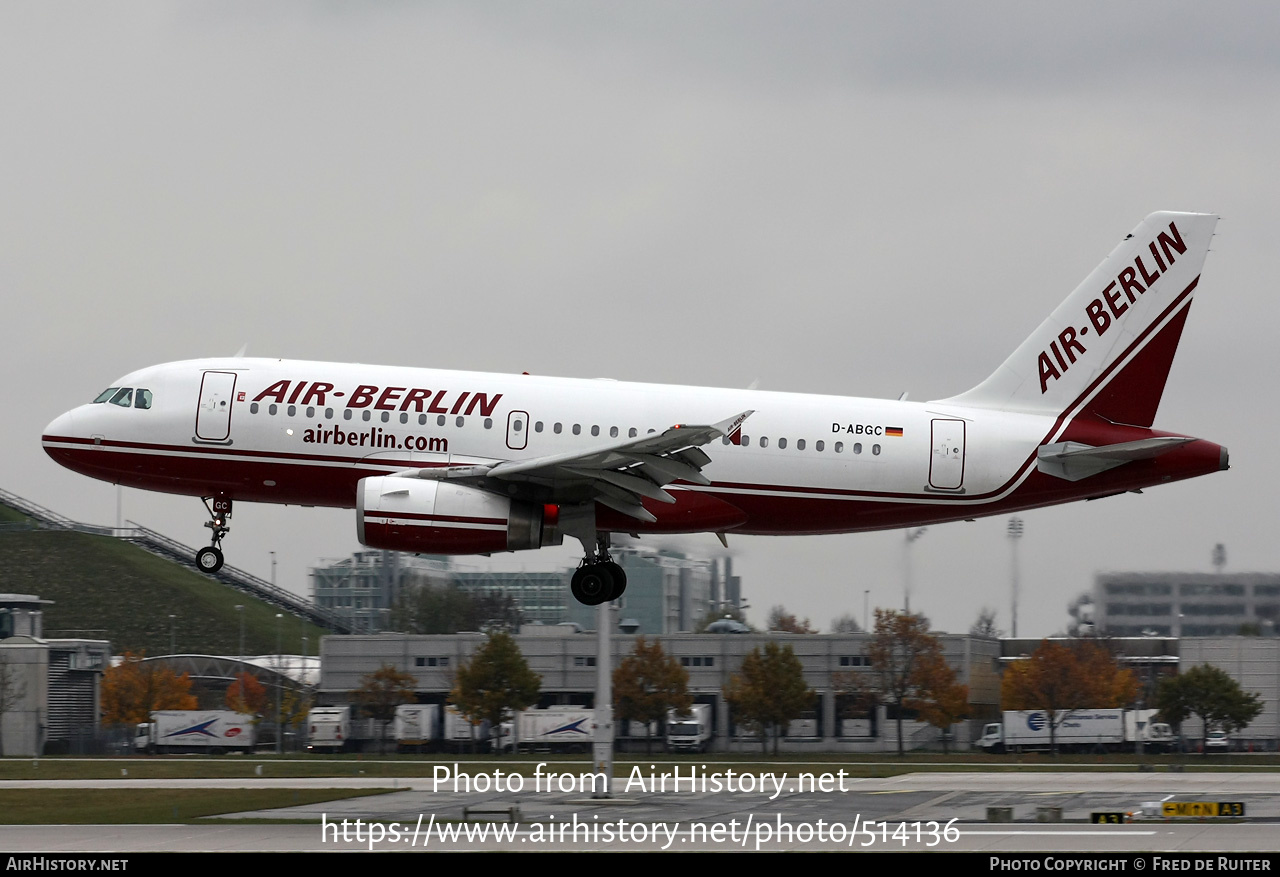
(449, 462)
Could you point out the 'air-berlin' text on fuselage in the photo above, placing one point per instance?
(383, 398)
(1133, 281)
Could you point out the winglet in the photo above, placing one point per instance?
(733, 427)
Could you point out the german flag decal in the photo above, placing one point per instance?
(893, 430)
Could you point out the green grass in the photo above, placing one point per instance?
(152, 806)
(410, 766)
(103, 588)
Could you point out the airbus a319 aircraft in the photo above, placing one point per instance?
(450, 462)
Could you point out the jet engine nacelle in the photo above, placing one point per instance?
(434, 517)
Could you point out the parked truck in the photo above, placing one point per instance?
(196, 731)
(1077, 730)
(690, 732)
(329, 728)
(417, 726)
(557, 729)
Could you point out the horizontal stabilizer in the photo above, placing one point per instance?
(1073, 461)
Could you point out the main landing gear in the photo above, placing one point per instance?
(598, 579)
(210, 559)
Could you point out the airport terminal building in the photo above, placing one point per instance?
(566, 661)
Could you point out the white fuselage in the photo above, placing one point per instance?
(306, 432)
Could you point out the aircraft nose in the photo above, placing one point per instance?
(62, 427)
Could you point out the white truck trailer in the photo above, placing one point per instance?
(416, 726)
(557, 729)
(1080, 730)
(196, 731)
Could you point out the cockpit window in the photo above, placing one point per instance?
(142, 398)
(105, 394)
(123, 397)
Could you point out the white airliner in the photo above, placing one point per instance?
(449, 462)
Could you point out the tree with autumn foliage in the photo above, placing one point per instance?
(647, 685)
(1060, 678)
(769, 691)
(905, 663)
(495, 683)
(247, 695)
(940, 700)
(381, 691)
(135, 688)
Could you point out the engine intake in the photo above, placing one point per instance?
(433, 517)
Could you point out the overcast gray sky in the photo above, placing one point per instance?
(851, 198)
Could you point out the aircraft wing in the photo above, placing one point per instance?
(619, 474)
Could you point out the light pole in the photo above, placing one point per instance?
(240, 611)
(279, 688)
(173, 649)
(273, 569)
(912, 535)
(866, 610)
(1015, 533)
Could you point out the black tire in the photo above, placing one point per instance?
(619, 576)
(592, 584)
(209, 559)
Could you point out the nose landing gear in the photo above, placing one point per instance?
(598, 578)
(210, 559)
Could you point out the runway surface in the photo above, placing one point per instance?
(921, 811)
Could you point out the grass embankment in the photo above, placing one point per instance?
(416, 766)
(103, 588)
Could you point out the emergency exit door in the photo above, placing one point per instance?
(946, 468)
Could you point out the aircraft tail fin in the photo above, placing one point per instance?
(1106, 350)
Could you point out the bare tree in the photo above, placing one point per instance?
(985, 625)
(846, 624)
(12, 692)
